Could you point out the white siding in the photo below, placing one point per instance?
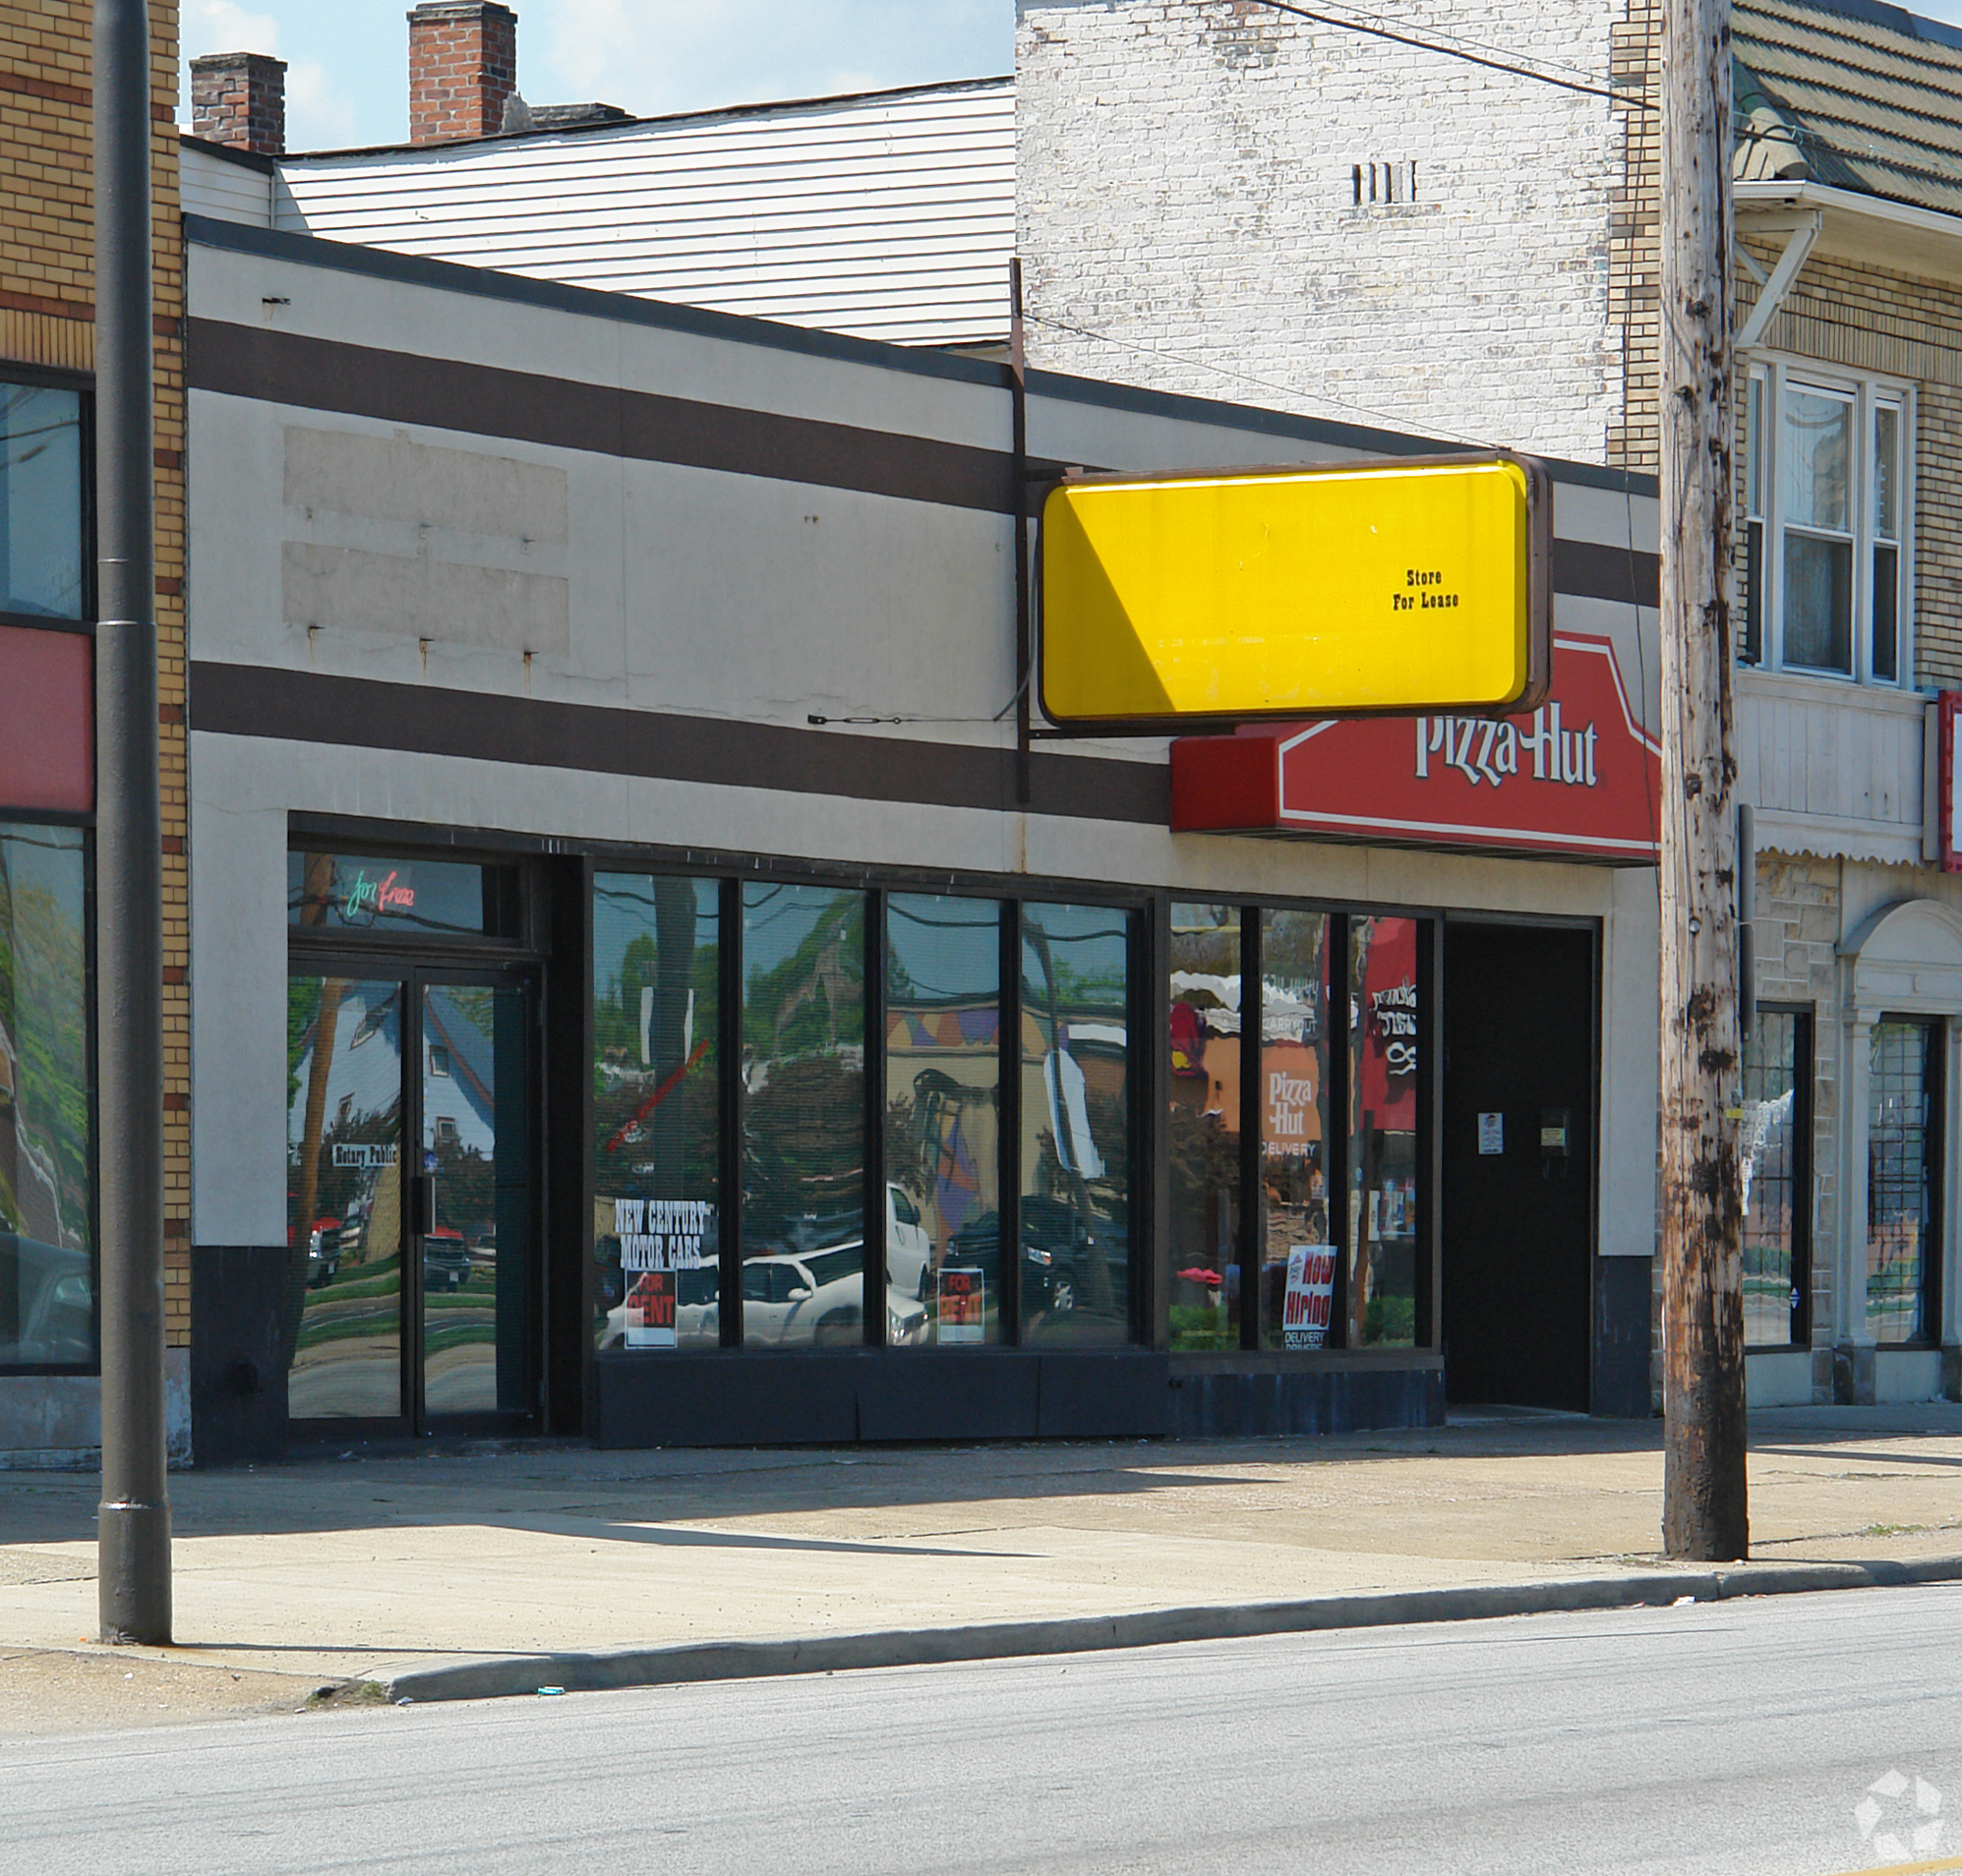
(1831, 769)
(890, 217)
(223, 189)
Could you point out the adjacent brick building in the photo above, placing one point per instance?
(46, 357)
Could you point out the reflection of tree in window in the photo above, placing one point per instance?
(45, 1079)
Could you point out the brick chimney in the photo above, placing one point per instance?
(462, 67)
(239, 98)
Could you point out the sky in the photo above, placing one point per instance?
(347, 82)
(347, 60)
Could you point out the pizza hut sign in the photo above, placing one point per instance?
(1578, 779)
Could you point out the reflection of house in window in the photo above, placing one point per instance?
(439, 1063)
(446, 1131)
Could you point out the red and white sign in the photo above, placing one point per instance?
(1578, 779)
(1311, 1290)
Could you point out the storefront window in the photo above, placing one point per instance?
(803, 1116)
(1773, 1157)
(1384, 1012)
(1902, 1167)
(657, 1135)
(1203, 1134)
(343, 1294)
(412, 898)
(943, 1121)
(48, 1240)
(1297, 1255)
(41, 506)
(1074, 1158)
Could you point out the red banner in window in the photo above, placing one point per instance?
(47, 721)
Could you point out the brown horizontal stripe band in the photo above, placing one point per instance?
(357, 381)
(444, 393)
(1585, 569)
(254, 700)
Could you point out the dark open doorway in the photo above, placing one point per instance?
(1519, 1163)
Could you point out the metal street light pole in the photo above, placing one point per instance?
(134, 1519)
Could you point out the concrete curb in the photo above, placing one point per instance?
(491, 1677)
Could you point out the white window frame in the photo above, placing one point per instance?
(1776, 374)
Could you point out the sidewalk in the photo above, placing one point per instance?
(448, 1572)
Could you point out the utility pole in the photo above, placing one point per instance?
(132, 1521)
(1704, 1510)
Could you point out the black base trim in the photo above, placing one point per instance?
(1248, 1403)
(734, 1399)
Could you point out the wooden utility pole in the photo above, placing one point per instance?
(1703, 1510)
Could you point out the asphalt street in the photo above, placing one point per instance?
(1742, 1738)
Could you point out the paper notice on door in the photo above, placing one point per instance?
(1492, 1133)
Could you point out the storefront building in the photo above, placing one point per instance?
(705, 1021)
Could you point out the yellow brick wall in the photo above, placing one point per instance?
(1634, 234)
(46, 319)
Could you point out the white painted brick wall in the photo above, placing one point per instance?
(1185, 195)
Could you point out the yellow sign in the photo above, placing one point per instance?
(1405, 586)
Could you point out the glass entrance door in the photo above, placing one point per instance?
(472, 1212)
(411, 1274)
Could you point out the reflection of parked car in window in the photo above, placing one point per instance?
(445, 1260)
(817, 1299)
(47, 1303)
(324, 1253)
(908, 1249)
(797, 1302)
(1057, 1246)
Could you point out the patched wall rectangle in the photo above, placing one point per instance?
(350, 589)
(391, 479)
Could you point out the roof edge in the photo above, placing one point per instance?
(616, 126)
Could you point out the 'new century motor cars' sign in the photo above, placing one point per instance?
(1577, 778)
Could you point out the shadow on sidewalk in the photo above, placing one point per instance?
(650, 1497)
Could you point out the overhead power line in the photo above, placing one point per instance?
(1491, 61)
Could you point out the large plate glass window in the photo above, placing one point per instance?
(943, 1121)
(1903, 1178)
(47, 1238)
(1295, 1247)
(1074, 1100)
(1774, 1158)
(1204, 1127)
(44, 571)
(1385, 1008)
(657, 1136)
(804, 1115)
(1826, 506)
